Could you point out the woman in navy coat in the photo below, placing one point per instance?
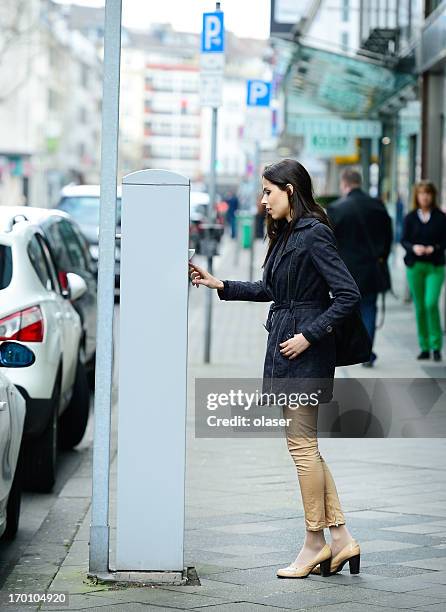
(312, 291)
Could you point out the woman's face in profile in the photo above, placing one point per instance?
(276, 201)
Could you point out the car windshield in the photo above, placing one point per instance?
(85, 209)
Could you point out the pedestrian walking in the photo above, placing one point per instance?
(424, 239)
(363, 230)
(302, 267)
(233, 206)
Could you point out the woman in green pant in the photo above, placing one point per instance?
(424, 239)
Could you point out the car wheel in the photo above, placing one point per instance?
(91, 371)
(14, 500)
(73, 421)
(40, 461)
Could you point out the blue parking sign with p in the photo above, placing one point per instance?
(259, 93)
(213, 34)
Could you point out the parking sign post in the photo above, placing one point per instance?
(258, 101)
(211, 86)
(99, 528)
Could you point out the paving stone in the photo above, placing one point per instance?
(396, 570)
(437, 590)
(397, 600)
(243, 606)
(428, 563)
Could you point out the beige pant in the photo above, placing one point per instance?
(319, 496)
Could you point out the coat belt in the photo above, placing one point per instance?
(290, 306)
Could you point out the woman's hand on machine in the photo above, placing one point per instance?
(200, 276)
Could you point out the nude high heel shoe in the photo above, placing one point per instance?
(351, 553)
(322, 559)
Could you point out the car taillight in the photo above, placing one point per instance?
(63, 280)
(24, 325)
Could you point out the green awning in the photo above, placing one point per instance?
(353, 87)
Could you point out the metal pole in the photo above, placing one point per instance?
(211, 219)
(99, 528)
(255, 178)
(365, 151)
(209, 241)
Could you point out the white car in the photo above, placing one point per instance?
(12, 419)
(82, 202)
(37, 313)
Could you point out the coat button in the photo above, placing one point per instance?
(329, 328)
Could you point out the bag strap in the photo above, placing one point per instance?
(383, 310)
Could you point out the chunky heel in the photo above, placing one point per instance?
(354, 564)
(325, 567)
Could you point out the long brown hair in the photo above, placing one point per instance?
(427, 186)
(302, 203)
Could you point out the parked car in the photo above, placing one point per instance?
(82, 202)
(199, 206)
(12, 419)
(36, 312)
(71, 254)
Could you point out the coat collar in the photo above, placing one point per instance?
(304, 222)
(355, 191)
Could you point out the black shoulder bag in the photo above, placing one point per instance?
(353, 344)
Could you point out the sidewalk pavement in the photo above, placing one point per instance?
(244, 515)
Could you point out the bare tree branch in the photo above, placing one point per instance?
(14, 32)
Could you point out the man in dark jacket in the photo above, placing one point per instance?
(363, 230)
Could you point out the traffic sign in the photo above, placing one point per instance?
(213, 34)
(211, 89)
(258, 125)
(259, 93)
(212, 60)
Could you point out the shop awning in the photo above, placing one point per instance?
(351, 86)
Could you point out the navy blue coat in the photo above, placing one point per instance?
(351, 217)
(298, 280)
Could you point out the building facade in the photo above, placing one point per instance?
(432, 70)
(50, 108)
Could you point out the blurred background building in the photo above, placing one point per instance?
(355, 82)
(50, 103)
(362, 82)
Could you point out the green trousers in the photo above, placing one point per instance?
(425, 282)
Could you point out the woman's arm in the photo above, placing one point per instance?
(244, 290)
(440, 246)
(229, 290)
(406, 238)
(321, 245)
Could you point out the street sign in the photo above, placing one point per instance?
(258, 125)
(259, 93)
(211, 89)
(212, 60)
(322, 145)
(213, 34)
(299, 124)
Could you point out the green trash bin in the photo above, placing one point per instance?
(245, 220)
